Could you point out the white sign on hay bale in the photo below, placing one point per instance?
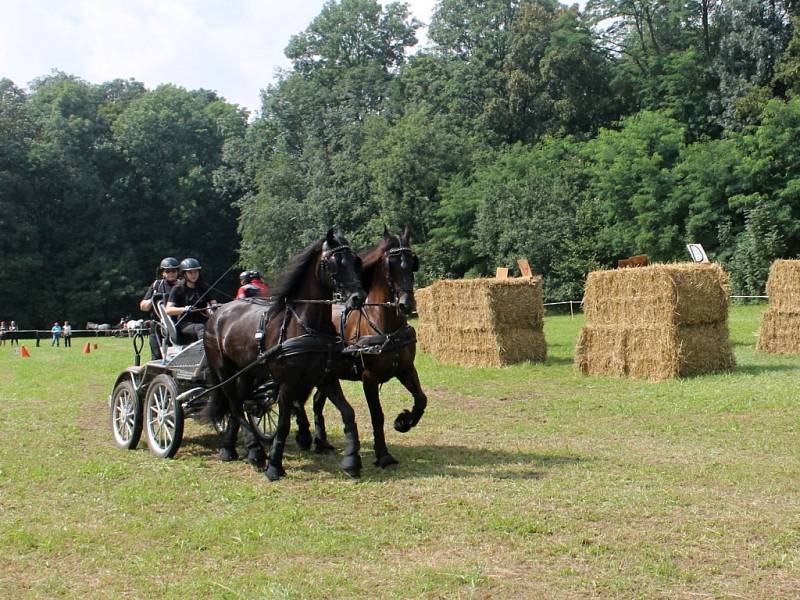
(697, 253)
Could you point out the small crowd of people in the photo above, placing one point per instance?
(61, 332)
(8, 331)
(181, 292)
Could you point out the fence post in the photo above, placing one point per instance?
(37, 338)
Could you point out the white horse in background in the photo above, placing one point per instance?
(132, 326)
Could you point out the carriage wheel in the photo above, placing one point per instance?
(265, 421)
(126, 415)
(163, 417)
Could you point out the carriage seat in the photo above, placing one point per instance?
(173, 339)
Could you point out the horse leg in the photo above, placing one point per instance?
(383, 458)
(275, 468)
(406, 420)
(321, 443)
(228, 437)
(303, 435)
(252, 443)
(351, 461)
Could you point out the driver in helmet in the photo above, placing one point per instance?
(251, 286)
(166, 278)
(188, 301)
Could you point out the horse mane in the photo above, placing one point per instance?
(371, 257)
(293, 273)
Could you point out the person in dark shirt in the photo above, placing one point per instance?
(159, 290)
(188, 302)
(251, 286)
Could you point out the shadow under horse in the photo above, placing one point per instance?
(291, 340)
(382, 343)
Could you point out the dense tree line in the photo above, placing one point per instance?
(526, 128)
(98, 182)
(532, 129)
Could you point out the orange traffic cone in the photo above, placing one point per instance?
(23, 352)
(87, 348)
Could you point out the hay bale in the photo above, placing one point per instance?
(482, 322)
(655, 322)
(779, 333)
(783, 287)
(780, 325)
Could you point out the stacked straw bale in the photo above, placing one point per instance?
(655, 322)
(482, 322)
(780, 325)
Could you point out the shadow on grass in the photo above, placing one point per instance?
(465, 461)
(761, 369)
(415, 461)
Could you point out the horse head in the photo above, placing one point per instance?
(400, 263)
(340, 270)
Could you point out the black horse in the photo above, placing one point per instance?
(292, 341)
(384, 344)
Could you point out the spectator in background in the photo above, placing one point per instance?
(12, 329)
(2, 333)
(66, 332)
(56, 331)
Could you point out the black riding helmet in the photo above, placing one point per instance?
(167, 263)
(190, 264)
(255, 275)
(246, 276)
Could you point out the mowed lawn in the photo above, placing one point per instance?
(523, 482)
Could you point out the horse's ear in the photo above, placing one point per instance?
(329, 237)
(386, 234)
(407, 235)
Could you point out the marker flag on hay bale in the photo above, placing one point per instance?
(656, 322)
(482, 322)
(780, 325)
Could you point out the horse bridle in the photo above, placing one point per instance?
(330, 274)
(400, 251)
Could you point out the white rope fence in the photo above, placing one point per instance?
(572, 303)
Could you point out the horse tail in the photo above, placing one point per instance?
(216, 406)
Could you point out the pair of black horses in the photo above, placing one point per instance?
(297, 341)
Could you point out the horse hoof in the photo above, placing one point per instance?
(353, 473)
(404, 422)
(303, 440)
(228, 454)
(323, 447)
(352, 465)
(257, 459)
(274, 473)
(386, 461)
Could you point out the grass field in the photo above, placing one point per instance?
(523, 482)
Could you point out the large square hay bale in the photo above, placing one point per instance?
(655, 322)
(482, 322)
(780, 324)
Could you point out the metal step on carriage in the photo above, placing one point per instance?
(147, 397)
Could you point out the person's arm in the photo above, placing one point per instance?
(146, 304)
(176, 311)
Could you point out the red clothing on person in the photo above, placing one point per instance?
(254, 289)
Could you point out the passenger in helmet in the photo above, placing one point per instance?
(251, 286)
(159, 290)
(188, 302)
